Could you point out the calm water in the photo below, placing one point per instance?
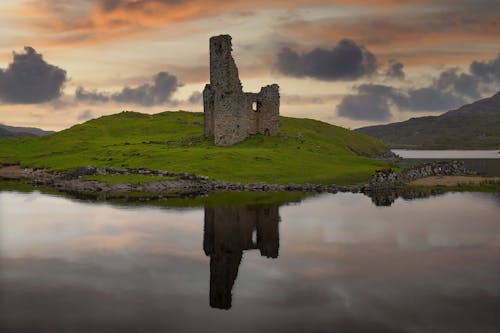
(486, 162)
(332, 263)
(448, 154)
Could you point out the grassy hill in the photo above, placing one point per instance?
(9, 132)
(305, 151)
(473, 126)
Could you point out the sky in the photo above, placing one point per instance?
(350, 63)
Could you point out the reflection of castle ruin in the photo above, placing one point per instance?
(230, 114)
(228, 232)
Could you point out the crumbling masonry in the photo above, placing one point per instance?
(232, 115)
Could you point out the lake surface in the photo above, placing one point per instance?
(485, 162)
(331, 263)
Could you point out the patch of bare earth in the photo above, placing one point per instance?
(454, 180)
(11, 172)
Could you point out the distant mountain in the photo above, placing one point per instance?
(472, 126)
(10, 132)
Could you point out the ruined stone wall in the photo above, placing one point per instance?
(208, 107)
(228, 97)
(268, 110)
(229, 116)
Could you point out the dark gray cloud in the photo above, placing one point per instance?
(81, 94)
(427, 99)
(195, 98)
(463, 84)
(158, 93)
(29, 79)
(395, 70)
(371, 103)
(488, 71)
(345, 61)
(449, 90)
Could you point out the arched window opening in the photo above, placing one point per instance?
(254, 106)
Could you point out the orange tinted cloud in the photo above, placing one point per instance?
(93, 21)
(412, 38)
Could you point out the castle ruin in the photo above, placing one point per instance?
(230, 114)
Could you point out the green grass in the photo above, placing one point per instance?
(305, 151)
(130, 179)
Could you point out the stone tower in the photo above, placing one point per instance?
(230, 114)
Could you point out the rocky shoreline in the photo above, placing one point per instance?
(190, 184)
(387, 178)
(179, 183)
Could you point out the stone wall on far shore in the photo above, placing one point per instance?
(391, 178)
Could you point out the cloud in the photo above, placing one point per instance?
(97, 21)
(427, 99)
(158, 93)
(395, 70)
(92, 96)
(371, 103)
(345, 61)
(488, 71)
(420, 33)
(113, 5)
(195, 98)
(309, 99)
(449, 90)
(460, 83)
(85, 115)
(29, 79)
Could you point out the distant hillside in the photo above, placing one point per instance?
(472, 126)
(10, 132)
(305, 151)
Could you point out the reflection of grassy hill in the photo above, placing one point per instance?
(305, 151)
(216, 199)
(473, 126)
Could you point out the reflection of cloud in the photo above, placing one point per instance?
(345, 265)
(443, 217)
(73, 230)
